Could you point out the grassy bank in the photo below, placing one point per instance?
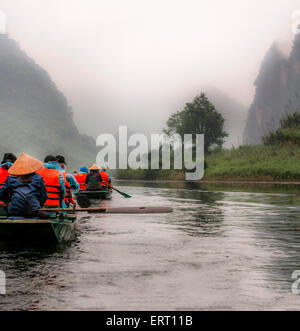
(278, 162)
(250, 163)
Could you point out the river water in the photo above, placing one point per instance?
(223, 248)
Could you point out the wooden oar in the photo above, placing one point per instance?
(124, 210)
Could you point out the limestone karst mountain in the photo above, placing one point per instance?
(277, 92)
(34, 115)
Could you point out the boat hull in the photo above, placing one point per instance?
(96, 195)
(54, 230)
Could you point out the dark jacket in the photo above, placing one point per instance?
(93, 180)
(23, 198)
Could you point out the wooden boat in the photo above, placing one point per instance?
(104, 194)
(61, 227)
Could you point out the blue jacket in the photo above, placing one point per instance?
(23, 198)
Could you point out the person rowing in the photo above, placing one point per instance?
(24, 190)
(105, 177)
(93, 179)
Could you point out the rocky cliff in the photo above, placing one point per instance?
(34, 115)
(277, 92)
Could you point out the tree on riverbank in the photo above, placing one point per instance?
(199, 117)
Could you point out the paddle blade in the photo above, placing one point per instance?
(127, 196)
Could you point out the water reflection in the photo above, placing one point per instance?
(201, 218)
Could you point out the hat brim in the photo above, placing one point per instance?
(25, 165)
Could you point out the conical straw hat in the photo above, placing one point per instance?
(94, 167)
(25, 165)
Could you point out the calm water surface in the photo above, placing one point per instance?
(228, 248)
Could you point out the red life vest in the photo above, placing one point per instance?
(81, 177)
(69, 198)
(105, 178)
(51, 179)
(3, 176)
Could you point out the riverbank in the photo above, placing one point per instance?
(255, 163)
(278, 163)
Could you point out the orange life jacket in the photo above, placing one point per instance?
(69, 197)
(51, 179)
(81, 177)
(105, 178)
(3, 176)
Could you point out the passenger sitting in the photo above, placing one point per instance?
(84, 170)
(8, 158)
(106, 181)
(25, 190)
(6, 163)
(61, 162)
(72, 185)
(55, 183)
(93, 179)
(81, 177)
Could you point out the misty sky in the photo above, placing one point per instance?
(135, 62)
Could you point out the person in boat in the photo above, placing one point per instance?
(93, 179)
(81, 177)
(84, 170)
(106, 181)
(7, 162)
(24, 190)
(8, 158)
(75, 187)
(55, 183)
